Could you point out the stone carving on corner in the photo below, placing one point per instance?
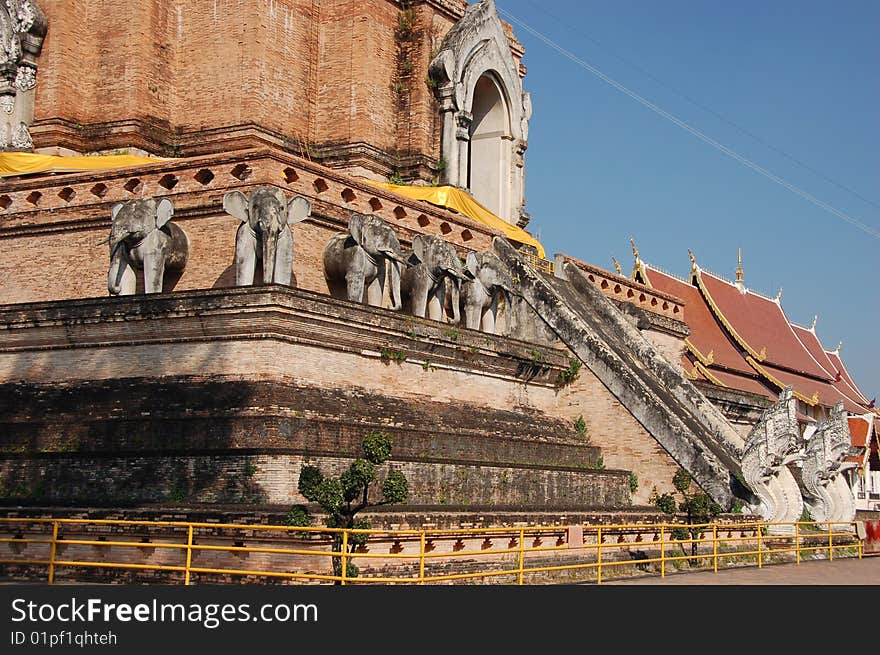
(143, 240)
(22, 29)
(774, 443)
(828, 496)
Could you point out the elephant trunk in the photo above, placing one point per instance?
(508, 297)
(269, 245)
(396, 300)
(114, 274)
(454, 297)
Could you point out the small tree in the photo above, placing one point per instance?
(698, 507)
(343, 496)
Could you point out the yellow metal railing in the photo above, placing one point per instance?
(539, 264)
(182, 552)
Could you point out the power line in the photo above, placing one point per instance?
(867, 229)
(702, 106)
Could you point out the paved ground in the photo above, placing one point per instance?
(817, 572)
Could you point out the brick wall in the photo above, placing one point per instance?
(54, 239)
(462, 399)
(174, 77)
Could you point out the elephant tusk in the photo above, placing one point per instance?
(102, 241)
(393, 255)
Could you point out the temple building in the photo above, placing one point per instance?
(742, 351)
(238, 236)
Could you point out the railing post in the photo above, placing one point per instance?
(422, 560)
(715, 547)
(830, 543)
(861, 545)
(662, 551)
(522, 554)
(342, 556)
(797, 542)
(52, 552)
(599, 557)
(189, 552)
(760, 533)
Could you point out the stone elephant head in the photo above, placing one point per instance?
(142, 238)
(355, 262)
(264, 234)
(489, 280)
(434, 269)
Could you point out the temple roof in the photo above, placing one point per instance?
(742, 340)
(707, 340)
(860, 429)
(758, 324)
(845, 378)
(807, 336)
(812, 391)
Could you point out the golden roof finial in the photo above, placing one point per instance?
(839, 346)
(617, 266)
(779, 294)
(815, 319)
(693, 259)
(739, 266)
(635, 250)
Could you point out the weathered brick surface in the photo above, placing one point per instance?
(175, 77)
(144, 368)
(53, 243)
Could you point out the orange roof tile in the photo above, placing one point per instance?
(744, 383)
(858, 429)
(811, 342)
(760, 324)
(707, 336)
(845, 377)
(810, 390)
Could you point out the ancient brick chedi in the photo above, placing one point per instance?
(343, 82)
(263, 305)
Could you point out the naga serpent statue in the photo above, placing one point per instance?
(829, 498)
(772, 445)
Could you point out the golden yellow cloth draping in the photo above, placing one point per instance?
(452, 197)
(22, 163)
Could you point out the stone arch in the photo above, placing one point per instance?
(22, 29)
(475, 66)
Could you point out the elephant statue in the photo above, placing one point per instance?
(433, 262)
(354, 262)
(142, 238)
(490, 280)
(264, 234)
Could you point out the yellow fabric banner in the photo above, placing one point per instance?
(23, 163)
(452, 197)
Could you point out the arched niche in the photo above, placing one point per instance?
(484, 112)
(489, 146)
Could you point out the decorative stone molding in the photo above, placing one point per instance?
(828, 496)
(771, 446)
(22, 29)
(477, 48)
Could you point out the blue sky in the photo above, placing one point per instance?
(801, 75)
